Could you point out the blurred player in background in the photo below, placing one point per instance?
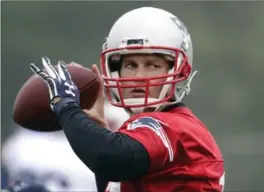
(147, 70)
(47, 159)
(4, 176)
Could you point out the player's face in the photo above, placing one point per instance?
(143, 65)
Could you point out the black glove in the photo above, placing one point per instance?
(62, 90)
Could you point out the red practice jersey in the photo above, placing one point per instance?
(183, 154)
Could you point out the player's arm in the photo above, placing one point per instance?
(114, 156)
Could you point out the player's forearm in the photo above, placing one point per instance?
(116, 156)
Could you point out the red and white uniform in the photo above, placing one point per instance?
(184, 156)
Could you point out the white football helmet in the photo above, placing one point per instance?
(148, 30)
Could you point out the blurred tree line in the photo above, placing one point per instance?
(228, 54)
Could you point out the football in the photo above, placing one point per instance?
(31, 108)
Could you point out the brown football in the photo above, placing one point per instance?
(32, 109)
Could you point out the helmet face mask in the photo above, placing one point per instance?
(122, 41)
(113, 81)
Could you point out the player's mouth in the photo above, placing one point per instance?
(138, 93)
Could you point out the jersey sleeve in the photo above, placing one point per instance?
(150, 132)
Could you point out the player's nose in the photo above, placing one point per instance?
(140, 73)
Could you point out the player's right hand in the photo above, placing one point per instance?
(97, 111)
(62, 89)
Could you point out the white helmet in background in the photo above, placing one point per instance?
(148, 30)
(46, 158)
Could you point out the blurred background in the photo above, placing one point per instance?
(227, 93)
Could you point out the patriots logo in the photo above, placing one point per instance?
(185, 33)
(156, 126)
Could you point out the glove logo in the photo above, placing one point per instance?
(70, 89)
(185, 33)
(59, 82)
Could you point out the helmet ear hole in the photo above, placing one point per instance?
(114, 64)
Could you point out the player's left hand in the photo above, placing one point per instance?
(97, 112)
(62, 90)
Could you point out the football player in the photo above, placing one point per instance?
(146, 66)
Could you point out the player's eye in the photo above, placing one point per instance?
(152, 65)
(130, 65)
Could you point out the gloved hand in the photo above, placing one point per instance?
(62, 90)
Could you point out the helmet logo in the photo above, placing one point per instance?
(185, 33)
(135, 42)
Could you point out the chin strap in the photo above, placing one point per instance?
(187, 87)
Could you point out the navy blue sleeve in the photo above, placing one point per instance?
(112, 156)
